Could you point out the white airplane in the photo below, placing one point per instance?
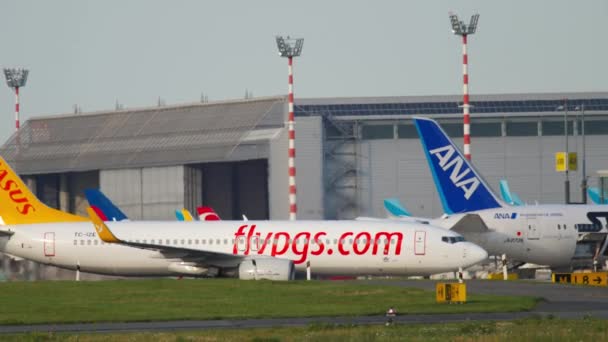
(538, 234)
(247, 250)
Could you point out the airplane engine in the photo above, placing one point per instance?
(267, 268)
(191, 269)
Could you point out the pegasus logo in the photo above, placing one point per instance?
(15, 194)
(448, 158)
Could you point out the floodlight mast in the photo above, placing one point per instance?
(461, 29)
(16, 78)
(289, 47)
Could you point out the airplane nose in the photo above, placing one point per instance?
(476, 254)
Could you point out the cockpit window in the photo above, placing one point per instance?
(452, 239)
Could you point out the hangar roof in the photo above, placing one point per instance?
(232, 130)
(167, 135)
(361, 108)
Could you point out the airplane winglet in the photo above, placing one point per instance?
(101, 228)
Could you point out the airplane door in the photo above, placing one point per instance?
(532, 228)
(419, 243)
(49, 244)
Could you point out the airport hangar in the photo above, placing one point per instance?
(351, 153)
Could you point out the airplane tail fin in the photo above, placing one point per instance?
(460, 186)
(179, 215)
(187, 215)
(18, 205)
(395, 208)
(594, 195)
(102, 205)
(507, 195)
(207, 214)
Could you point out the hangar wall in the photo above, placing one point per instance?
(145, 193)
(398, 168)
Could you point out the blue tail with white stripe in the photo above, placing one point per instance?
(460, 186)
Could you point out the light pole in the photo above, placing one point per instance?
(289, 47)
(16, 78)
(461, 29)
(584, 166)
(567, 162)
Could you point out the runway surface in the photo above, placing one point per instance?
(563, 301)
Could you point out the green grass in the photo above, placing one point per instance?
(168, 299)
(589, 329)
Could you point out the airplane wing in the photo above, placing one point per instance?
(470, 223)
(208, 257)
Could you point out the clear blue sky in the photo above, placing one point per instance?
(93, 53)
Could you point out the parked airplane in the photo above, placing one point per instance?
(247, 250)
(539, 234)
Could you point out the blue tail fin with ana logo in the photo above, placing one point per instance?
(460, 186)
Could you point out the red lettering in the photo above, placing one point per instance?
(239, 233)
(26, 209)
(266, 240)
(303, 254)
(275, 249)
(3, 174)
(7, 185)
(387, 237)
(362, 236)
(248, 242)
(13, 195)
(341, 241)
(319, 242)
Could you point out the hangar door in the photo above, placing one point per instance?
(236, 189)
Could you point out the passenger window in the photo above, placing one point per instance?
(196, 241)
(564, 227)
(559, 226)
(183, 241)
(95, 242)
(144, 241)
(189, 241)
(167, 242)
(350, 241)
(175, 242)
(211, 241)
(218, 242)
(89, 242)
(225, 241)
(204, 242)
(75, 242)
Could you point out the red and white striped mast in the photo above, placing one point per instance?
(16, 78)
(461, 29)
(289, 47)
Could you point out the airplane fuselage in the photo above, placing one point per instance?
(334, 247)
(540, 234)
